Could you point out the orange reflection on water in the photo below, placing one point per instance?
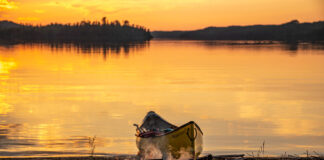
(6, 66)
(240, 95)
(5, 108)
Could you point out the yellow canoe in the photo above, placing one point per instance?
(183, 142)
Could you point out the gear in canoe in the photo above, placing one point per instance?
(171, 141)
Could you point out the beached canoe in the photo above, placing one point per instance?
(172, 142)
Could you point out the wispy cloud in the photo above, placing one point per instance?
(39, 11)
(95, 9)
(28, 19)
(92, 7)
(6, 4)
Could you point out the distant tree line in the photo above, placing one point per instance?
(288, 32)
(83, 31)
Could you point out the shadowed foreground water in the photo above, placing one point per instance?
(53, 97)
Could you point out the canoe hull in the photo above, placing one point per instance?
(184, 142)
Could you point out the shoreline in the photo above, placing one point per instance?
(133, 157)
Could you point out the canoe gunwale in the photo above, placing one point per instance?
(178, 128)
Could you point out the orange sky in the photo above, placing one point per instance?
(164, 14)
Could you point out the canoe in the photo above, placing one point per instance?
(168, 140)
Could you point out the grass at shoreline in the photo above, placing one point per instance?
(132, 157)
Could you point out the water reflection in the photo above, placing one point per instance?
(15, 138)
(263, 45)
(86, 48)
(6, 66)
(7, 130)
(104, 48)
(53, 97)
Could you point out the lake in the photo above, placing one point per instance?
(53, 97)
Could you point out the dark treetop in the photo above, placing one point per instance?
(289, 32)
(84, 31)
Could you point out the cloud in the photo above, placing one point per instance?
(6, 4)
(39, 11)
(59, 4)
(99, 10)
(28, 19)
(89, 8)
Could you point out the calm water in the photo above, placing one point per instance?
(54, 97)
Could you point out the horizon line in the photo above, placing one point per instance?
(169, 30)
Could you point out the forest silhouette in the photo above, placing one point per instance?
(292, 31)
(114, 31)
(84, 31)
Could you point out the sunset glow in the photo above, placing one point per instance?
(161, 79)
(164, 14)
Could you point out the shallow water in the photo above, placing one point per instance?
(53, 97)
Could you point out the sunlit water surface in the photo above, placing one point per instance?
(53, 97)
